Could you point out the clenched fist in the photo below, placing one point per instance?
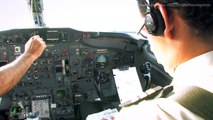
(35, 46)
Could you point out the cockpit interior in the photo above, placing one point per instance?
(77, 73)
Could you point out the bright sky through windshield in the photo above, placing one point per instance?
(85, 15)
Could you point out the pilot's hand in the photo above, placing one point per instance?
(35, 46)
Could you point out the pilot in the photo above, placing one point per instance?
(180, 33)
(12, 73)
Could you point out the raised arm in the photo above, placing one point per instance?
(12, 73)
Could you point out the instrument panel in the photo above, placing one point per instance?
(75, 68)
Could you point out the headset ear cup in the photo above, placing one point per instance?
(154, 23)
(150, 23)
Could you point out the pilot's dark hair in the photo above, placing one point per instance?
(198, 14)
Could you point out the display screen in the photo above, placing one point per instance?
(16, 110)
(60, 93)
(102, 58)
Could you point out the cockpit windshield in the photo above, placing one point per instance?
(87, 15)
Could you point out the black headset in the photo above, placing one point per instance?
(154, 22)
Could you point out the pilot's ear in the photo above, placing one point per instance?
(168, 20)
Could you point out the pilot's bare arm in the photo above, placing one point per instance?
(12, 73)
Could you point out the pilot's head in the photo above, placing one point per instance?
(177, 30)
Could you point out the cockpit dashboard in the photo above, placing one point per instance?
(74, 70)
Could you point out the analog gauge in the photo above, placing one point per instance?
(116, 59)
(88, 61)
